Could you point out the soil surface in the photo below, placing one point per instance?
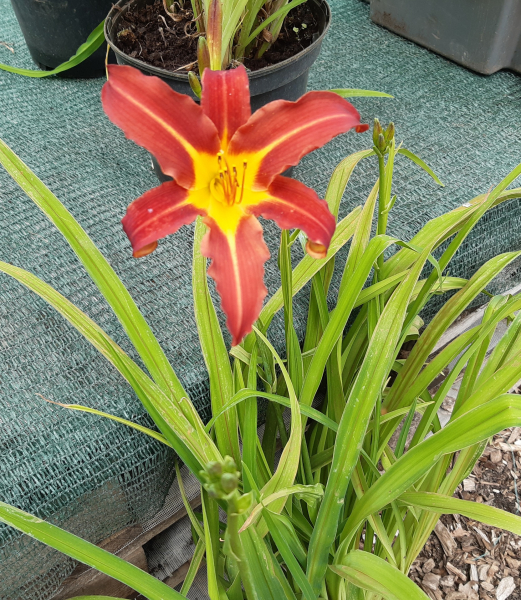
(152, 35)
(467, 560)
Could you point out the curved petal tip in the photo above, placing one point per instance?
(316, 250)
(145, 250)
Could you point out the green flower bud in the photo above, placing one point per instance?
(243, 503)
(381, 144)
(214, 469)
(377, 131)
(229, 482)
(229, 465)
(195, 84)
(389, 134)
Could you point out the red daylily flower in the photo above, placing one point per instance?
(226, 166)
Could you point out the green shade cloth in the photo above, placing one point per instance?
(96, 477)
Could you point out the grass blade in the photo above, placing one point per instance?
(146, 430)
(361, 401)
(277, 533)
(418, 161)
(308, 267)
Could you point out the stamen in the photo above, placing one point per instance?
(228, 179)
(245, 164)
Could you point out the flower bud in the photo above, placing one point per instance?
(389, 133)
(195, 84)
(214, 469)
(229, 482)
(381, 144)
(377, 130)
(203, 55)
(229, 465)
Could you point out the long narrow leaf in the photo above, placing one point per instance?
(362, 399)
(102, 274)
(375, 575)
(354, 93)
(307, 411)
(93, 42)
(87, 553)
(447, 505)
(193, 450)
(473, 427)
(308, 267)
(277, 533)
(214, 352)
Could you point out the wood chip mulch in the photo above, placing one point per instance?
(467, 560)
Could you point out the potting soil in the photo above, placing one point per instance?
(93, 476)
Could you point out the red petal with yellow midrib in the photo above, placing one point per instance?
(237, 268)
(226, 100)
(156, 214)
(169, 125)
(283, 132)
(292, 205)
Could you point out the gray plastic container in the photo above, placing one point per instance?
(483, 35)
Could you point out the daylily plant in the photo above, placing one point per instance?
(342, 512)
(226, 165)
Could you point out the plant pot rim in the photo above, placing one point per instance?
(119, 7)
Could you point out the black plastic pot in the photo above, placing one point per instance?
(286, 80)
(482, 35)
(54, 30)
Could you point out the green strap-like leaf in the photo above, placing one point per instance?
(308, 266)
(353, 425)
(101, 273)
(243, 395)
(418, 161)
(215, 353)
(374, 574)
(441, 228)
(195, 563)
(281, 12)
(354, 93)
(447, 505)
(467, 430)
(168, 416)
(94, 41)
(146, 430)
(87, 553)
(340, 178)
(287, 468)
(278, 535)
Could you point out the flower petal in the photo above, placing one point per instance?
(156, 214)
(226, 100)
(238, 270)
(282, 132)
(169, 125)
(292, 204)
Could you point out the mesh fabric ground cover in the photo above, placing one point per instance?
(95, 477)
